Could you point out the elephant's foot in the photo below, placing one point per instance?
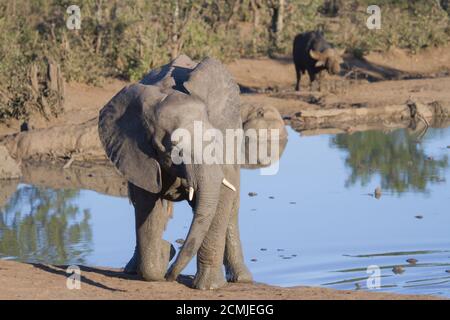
(209, 278)
(132, 265)
(155, 268)
(239, 274)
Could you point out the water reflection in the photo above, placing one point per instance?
(321, 234)
(45, 225)
(431, 278)
(396, 157)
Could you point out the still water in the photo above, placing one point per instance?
(316, 222)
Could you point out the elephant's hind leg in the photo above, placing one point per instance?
(152, 254)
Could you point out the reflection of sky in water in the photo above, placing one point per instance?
(315, 217)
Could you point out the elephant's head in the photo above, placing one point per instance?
(266, 136)
(136, 129)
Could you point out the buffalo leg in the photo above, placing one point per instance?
(299, 77)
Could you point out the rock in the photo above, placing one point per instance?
(412, 261)
(263, 249)
(9, 168)
(398, 270)
(418, 217)
(292, 202)
(377, 193)
(253, 260)
(252, 194)
(179, 241)
(271, 197)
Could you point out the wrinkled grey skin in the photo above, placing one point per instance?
(135, 129)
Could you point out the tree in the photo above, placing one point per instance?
(396, 157)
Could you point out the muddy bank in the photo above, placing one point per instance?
(411, 114)
(79, 143)
(100, 177)
(369, 95)
(39, 281)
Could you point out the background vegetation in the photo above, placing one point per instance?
(126, 38)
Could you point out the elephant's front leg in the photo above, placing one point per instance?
(152, 254)
(210, 256)
(235, 267)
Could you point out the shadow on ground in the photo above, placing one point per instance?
(61, 270)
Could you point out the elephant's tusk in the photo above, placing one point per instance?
(191, 193)
(228, 184)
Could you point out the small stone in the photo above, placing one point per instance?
(179, 241)
(271, 197)
(377, 193)
(254, 260)
(292, 202)
(418, 217)
(398, 270)
(252, 194)
(412, 261)
(286, 258)
(263, 249)
(294, 255)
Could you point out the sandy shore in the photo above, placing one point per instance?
(39, 281)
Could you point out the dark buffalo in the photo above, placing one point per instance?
(313, 53)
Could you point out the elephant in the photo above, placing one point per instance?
(136, 129)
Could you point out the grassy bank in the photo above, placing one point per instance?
(126, 38)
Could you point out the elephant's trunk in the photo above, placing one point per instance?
(206, 200)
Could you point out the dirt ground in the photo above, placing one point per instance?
(379, 79)
(380, 90)
(27, 281)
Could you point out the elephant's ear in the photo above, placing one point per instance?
(212, 83)
(126, 139)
